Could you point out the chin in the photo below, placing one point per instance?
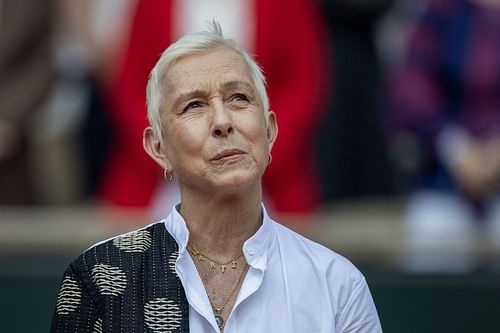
(236, 182)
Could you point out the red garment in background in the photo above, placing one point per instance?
(288, 45)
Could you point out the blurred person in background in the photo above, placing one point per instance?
(70, 116)
(286, 37)
(91, 42)
(446, 100)
(26, 77)
(56, 59)
(218, 262)
(351, 146)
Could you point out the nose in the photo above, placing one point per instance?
(222, 121)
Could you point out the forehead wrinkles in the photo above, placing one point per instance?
(194, 69)
(203, 79)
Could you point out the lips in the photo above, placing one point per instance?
(228, 154)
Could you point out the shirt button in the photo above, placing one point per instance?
(250, 251)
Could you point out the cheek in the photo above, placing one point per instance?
(187, 140)
(252, 122)
(256, 133)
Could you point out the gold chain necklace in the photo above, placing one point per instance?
(202, 257)
(218, 309)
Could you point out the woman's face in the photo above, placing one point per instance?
(214, 132)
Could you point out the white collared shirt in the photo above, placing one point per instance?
(292, 285)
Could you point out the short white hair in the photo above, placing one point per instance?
(192, 44)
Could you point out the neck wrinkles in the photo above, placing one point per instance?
(219, 228)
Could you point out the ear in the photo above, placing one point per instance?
(152, 146)
(272, 129)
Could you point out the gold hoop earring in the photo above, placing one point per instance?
(168, 175)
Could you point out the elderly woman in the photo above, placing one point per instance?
(218, 262)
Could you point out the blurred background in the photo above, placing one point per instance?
(388, 153)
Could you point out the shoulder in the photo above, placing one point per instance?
(332, 279)
(120, 254)
(321, 259)
(135, 241)
(108, 267)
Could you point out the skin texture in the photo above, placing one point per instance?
(216, 141)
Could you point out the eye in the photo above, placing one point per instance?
(192, 105)
(238, 97)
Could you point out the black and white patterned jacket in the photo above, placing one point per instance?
(126, 284)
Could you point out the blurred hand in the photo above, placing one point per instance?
(478, 171)
(494, 4)
(8, 140)
(492, 158)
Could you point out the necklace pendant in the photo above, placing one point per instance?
(223, 268)
(212, 265)
(233, 265)
(200, 258)
(220, 321)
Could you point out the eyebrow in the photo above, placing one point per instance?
(187, 96)
(196, 93)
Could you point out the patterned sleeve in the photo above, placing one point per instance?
(75, 311)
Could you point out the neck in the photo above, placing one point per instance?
(218, 226)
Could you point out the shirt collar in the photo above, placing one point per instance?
(177, 227)
(254, 248)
